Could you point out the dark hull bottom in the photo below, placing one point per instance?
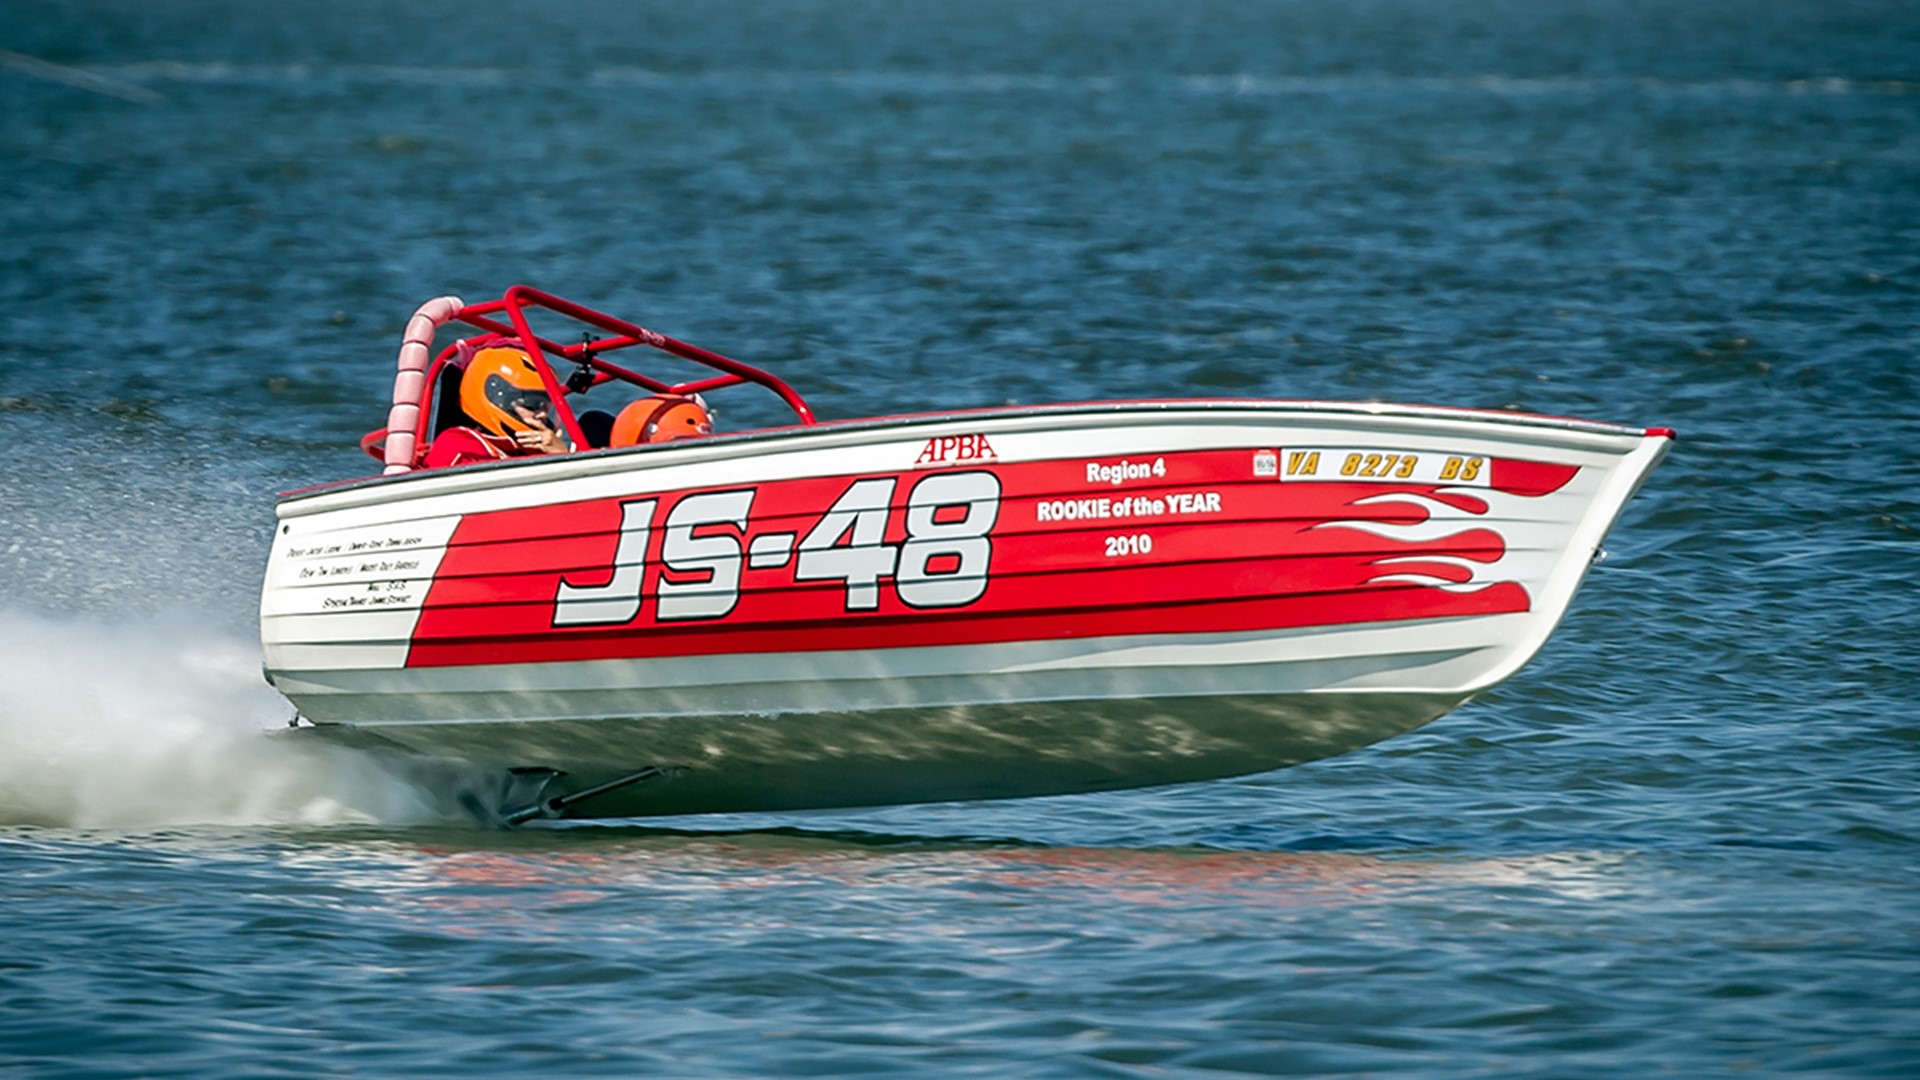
(808, 761)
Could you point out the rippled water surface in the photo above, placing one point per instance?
(1684, 840)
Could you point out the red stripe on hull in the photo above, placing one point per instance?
(1202, 543)
(1380, 604)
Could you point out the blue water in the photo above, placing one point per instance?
(1685, 840)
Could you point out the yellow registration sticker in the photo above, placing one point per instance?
(1357, 463)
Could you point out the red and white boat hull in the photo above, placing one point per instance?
(995, 604)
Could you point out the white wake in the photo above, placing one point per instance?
(157, 721)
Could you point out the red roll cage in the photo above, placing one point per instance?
(402, 443)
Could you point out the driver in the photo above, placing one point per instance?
(502, 393)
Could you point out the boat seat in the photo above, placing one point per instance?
(597, 426)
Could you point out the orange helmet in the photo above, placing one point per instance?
(660, 418)
(498, 378)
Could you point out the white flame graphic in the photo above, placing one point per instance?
(1443, 521)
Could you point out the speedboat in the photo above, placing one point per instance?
(977, 604)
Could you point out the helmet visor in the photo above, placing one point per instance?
(508, 396)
